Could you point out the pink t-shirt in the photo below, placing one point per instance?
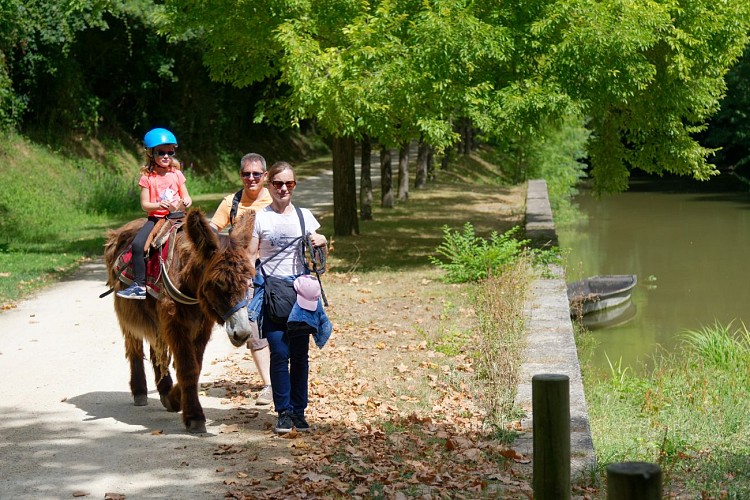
(162, 187)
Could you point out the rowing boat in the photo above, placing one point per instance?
(598, 293)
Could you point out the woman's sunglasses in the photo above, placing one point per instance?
(164, 153)
(254, 175)
(289, 184)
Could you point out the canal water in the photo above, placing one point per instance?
(689, 245)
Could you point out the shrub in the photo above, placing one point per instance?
(472, 258)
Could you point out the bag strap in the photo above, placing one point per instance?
(307, 245)
(235, 206)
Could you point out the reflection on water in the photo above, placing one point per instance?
(688, 248)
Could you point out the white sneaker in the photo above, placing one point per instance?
(265, 397)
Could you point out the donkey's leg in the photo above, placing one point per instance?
(134, 354)
(187, 370)
(162, 377)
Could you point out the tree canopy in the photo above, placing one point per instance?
(646, 75)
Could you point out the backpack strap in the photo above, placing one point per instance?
(235, 206)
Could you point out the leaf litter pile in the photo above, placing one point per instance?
(393, 405)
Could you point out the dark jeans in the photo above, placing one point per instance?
(139, 259)
(289, 367)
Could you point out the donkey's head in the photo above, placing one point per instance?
(225, 286)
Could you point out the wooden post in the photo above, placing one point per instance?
(550, 399)
(633, 480)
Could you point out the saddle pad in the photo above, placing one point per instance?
(124, 269)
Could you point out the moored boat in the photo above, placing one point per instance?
(598, 293)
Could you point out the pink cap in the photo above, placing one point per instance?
(308, 292)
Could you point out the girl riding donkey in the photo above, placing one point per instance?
(162, 189)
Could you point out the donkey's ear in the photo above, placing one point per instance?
(204, 239)
(242, 231)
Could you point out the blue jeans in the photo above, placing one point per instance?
(289, 367)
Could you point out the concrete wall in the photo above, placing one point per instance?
(550, 345)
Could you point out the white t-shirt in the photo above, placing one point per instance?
(276, 230)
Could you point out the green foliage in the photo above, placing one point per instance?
(469, 257)
(729, 129)
(654, 77)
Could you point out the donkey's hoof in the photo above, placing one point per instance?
(196, 427)
(166, 404)
(140, 400)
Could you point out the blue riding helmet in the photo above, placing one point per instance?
(157, 137)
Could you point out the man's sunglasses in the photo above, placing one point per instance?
(164, 153)
(289, 184)
(254, 175)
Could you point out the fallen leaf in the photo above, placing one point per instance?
(114, 496)
(81, 493)
(314, 477)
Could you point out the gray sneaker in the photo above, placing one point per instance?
(283, 424)
(265, 397)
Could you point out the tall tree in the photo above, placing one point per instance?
(422, 156)
(386, 178)
(365, 179)
(403, 172)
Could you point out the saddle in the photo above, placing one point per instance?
(159, 248)
(163, 228)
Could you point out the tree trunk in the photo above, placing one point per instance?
(445, 161)
(365, 180)
(467, 136)
(403, 172)
(345, 222)
(386, 178)
(421, 180)
(430, 163)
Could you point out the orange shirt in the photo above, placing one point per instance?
(221, 217)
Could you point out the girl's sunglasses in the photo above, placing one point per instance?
(164, 153)
(289, 184)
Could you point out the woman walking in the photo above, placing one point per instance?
(278, 240)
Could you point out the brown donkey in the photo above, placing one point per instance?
(212, 275)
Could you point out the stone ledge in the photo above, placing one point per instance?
(550, 346)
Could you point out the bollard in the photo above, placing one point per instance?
(550, 400)
(633, 481)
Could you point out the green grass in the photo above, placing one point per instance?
(690, 415)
